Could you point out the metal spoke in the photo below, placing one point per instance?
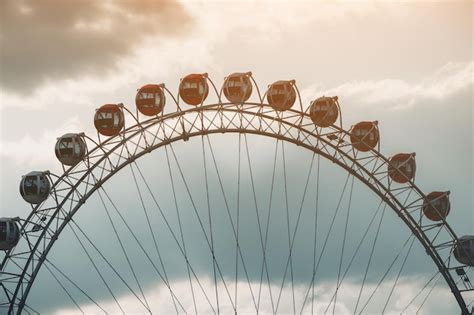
(266, 231)
(289, 234)
(238, 225)
(356, 251)
(435, 275)
(152, 235)
(201, 224)
(315, 269)
(343, 245)
(428, 295)
(255, 205)
(146, 305)
(210, 224)
(397, 278)
(136, 239)
(370, 259)
(315, 238)
(235, 232)
(180, 230)
(112, 154)
(64, 288)
(97, 270)
(74, 284)
(412, 238)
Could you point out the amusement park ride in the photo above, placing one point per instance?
(56, 198)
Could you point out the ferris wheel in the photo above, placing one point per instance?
(246, 203)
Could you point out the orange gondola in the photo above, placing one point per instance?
(324, 111)
(436, 205)
(150, 99)
(281, 95)
(402, 167)
(109, 119)
(194, 89)
(365, 136)
(237, 87)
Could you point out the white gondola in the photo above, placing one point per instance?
(70, 149)
(35, 187)
(464, 250)
(9, 233)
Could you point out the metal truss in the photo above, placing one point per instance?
(71, 190)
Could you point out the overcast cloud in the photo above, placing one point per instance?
(48, 40)
(407, 65)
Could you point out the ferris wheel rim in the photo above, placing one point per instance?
(140, 127)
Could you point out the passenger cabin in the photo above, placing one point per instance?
(194, 89)
(9, 233)
(365, 136)
(238, 87)
(35, 187)
(150, 99)
(70, 149)
(402, 167)
(109, 119)
(464, 250)
(436, 206)
(281, 95)
(324, 111)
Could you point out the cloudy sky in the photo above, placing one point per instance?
(407, 64)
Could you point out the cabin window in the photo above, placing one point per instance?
(3, 231)
(234, 84)
(190, 85)
(105, 115)
(65, 151)
(30, 186)
(11, 227)
(77, 148)
(145, 96)
(43, 187)
(116, 120)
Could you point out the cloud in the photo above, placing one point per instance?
(406, 289)
(46, 40)
(398, 94)
(240, 37)
(34, 150)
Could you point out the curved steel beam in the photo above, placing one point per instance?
(246, 113)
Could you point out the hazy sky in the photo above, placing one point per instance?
(407, 64)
